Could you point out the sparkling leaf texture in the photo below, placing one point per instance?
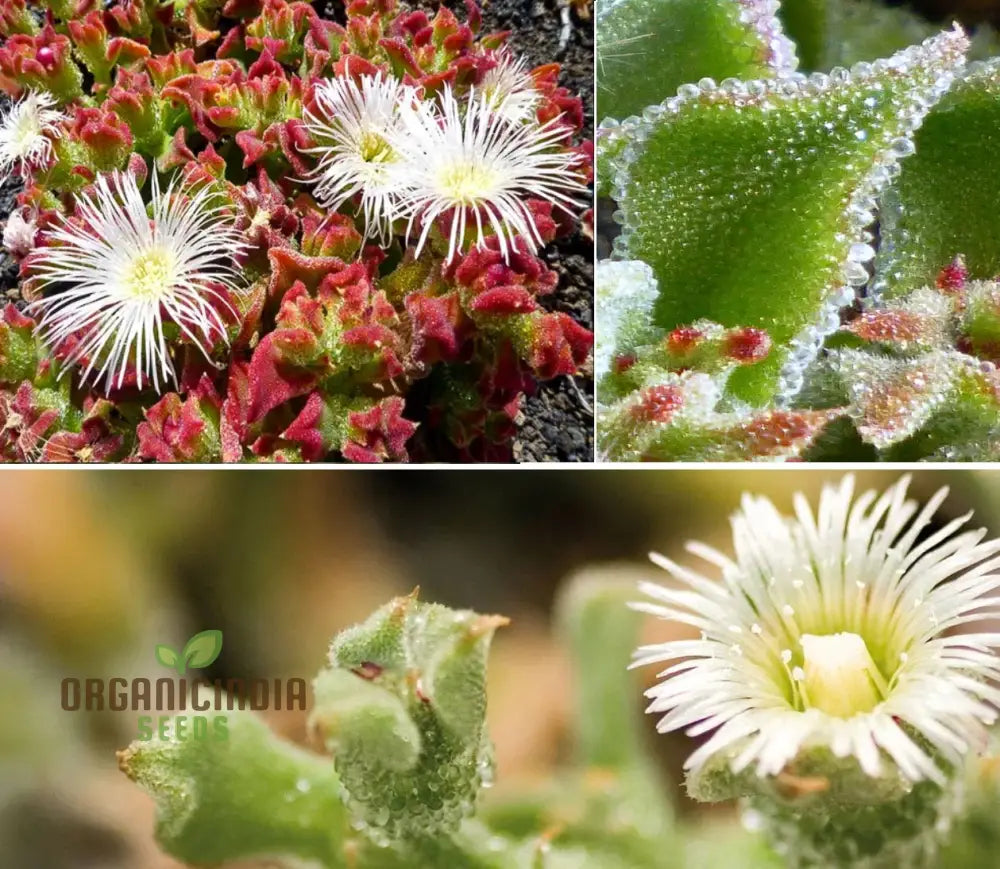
(624, 293)
(944, 202)
(922, 382)
(402, 708)
(647, 48)
(750, 201)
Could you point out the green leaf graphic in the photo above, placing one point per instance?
(202, 649)
(167, 656)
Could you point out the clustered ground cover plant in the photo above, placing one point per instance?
(248, 232)
(807, 254)
(822, 678)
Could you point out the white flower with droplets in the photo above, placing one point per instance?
(835, 631)
(26, 132)
(353, 126)
(510, 90)
(116, 277)
(462, 160)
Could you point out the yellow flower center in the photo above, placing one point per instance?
(467, 184)
(151, 274)
(374, 149)
(838, 675)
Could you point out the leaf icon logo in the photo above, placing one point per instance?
(200, 651)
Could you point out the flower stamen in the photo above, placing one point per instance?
(840, 677)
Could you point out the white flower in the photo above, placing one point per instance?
(352, 129)
(462, 159)
(120, 276)
(830, 631)
(19, 234)
(26, 132)
(509, 89)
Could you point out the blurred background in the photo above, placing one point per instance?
(970, 11)
(97, 568)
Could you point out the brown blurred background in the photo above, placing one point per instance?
(96, 568)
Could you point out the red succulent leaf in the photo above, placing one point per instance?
(953, 276)
(273, 379)
(683, 340)
(747, 345)
(182, 429)
(18, 351)
(164, 68)
(379, 434)
(95, 442)
(657, 404)
(289, 266)
(330, 235)
(24, 421)
(435, 322)
(42, 61)
(559, 345)
(779, 431)
(178, 153)
(504, 301)
(892, 326)
(314, 429)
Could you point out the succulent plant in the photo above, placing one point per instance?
(247, 232)
(843, 218)
(834, 697)
(401, 707)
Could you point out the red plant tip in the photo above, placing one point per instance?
(683, 340)
(954, 275)
(891, 326)
(747, 345)
(783, 429)
(46, 56)
(658, 403)
(623, 363)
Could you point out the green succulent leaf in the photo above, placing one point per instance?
(601, 631)
(805, 22)
(248, 795)
(750, 201)
(203, 649)
(830, 33)
(647, 48)
(944, 202)
(403, 710)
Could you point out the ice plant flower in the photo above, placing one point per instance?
(834, 632)
(26, 132)
(353, 125)
(510, 90)
(19, 234)
(462, 160)
(118, 279)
